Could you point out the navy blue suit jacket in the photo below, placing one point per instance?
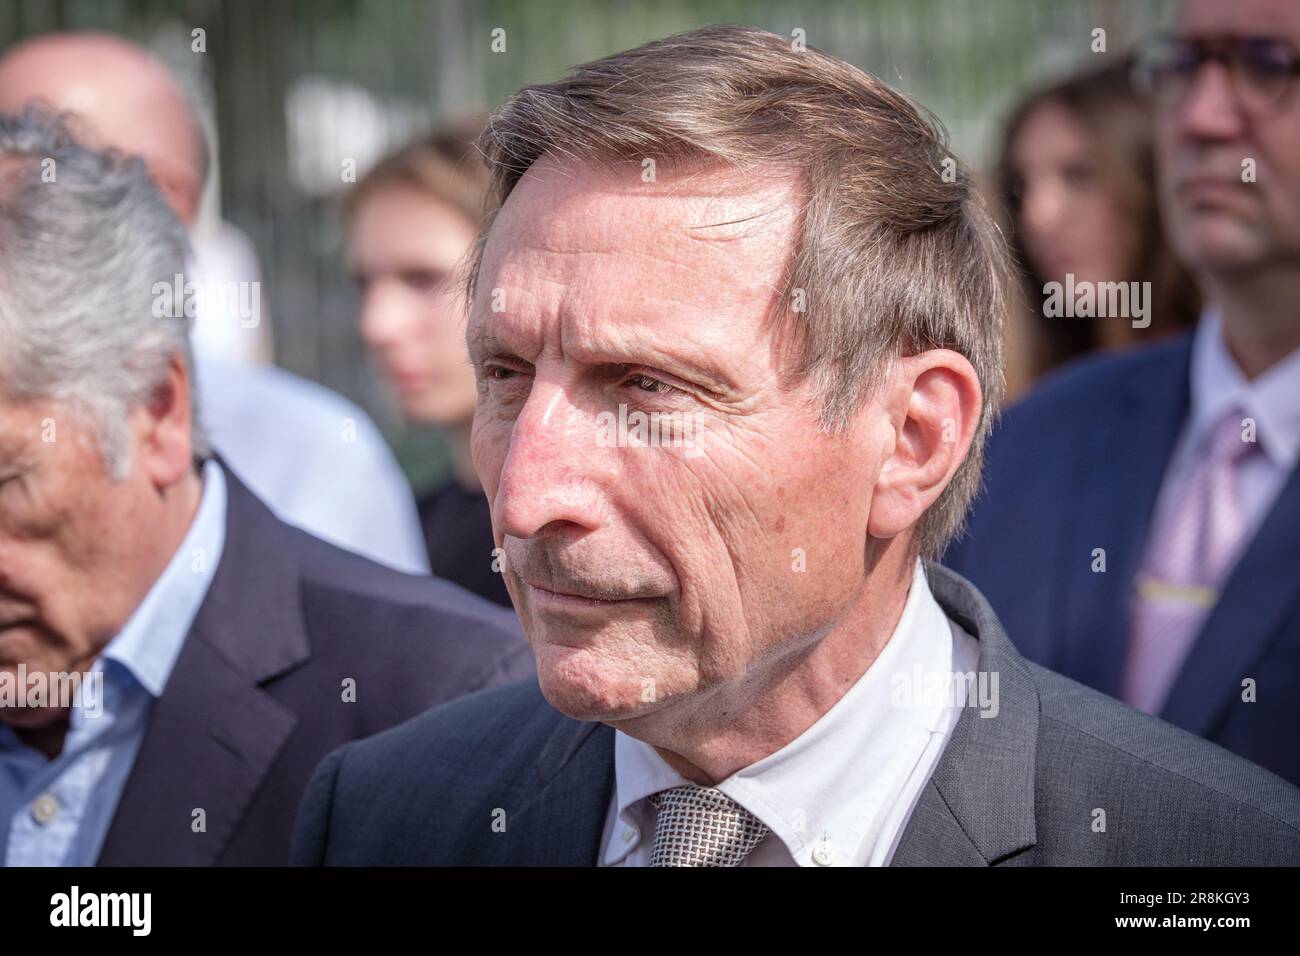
(1077, 466)
(256, 698)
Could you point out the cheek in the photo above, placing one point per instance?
(1283, 187)
(749, 525)
(814, 533)
(57, 541)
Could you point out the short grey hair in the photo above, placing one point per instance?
(85, 237)
(896, 252)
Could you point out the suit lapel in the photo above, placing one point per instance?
(212, 736)
(215, 733)
(1113, 506)
(1251, 610)
(978, 807)
(564, 822)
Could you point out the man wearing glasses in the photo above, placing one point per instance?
(1141, 527)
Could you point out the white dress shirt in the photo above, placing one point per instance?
(841, 793)
(1271, 399)
(314, 458)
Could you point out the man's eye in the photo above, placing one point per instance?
(499, 373)
(647, 384)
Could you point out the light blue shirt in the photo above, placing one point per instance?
(57, 812)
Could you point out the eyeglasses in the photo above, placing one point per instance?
(1261, 68)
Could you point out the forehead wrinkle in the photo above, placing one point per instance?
(686, 237)
(651, 320)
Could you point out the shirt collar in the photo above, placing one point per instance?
(839, 777)
(149, 643)
(1271, 399)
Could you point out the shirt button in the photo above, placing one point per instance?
(45, 808)
(823, 853)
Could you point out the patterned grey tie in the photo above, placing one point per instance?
(701, 826)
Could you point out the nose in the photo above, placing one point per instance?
(1210, 109)
(554, 472)
(1041, 205)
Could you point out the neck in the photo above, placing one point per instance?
(1260, 323)
(462, 462)
(738, 724)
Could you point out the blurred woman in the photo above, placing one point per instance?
(410, 220)
(1077, 180)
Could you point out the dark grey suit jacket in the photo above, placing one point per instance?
(1021, 788)
(256, 698)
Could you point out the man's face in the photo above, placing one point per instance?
(693, 567)
(69, 545)
(1217, 221)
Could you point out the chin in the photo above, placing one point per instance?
(1221, 243)
(584, 684)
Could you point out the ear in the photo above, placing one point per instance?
(163, 429)
(934, 408)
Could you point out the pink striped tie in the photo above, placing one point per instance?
(1188, 556)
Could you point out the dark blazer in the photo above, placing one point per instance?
(256, 697)
(457, 526)
(1077, 466)
(1019, 788)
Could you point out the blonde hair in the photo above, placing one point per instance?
(445, 165)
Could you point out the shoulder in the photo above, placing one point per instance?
(356, 609)
(1159, 783)
(426, 789)
(506, 722)
(359, 599)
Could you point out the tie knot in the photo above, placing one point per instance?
(702, 826)
(1232, 438)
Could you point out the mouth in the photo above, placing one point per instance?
(1209, 187)
(568, 599)
(408, 381)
